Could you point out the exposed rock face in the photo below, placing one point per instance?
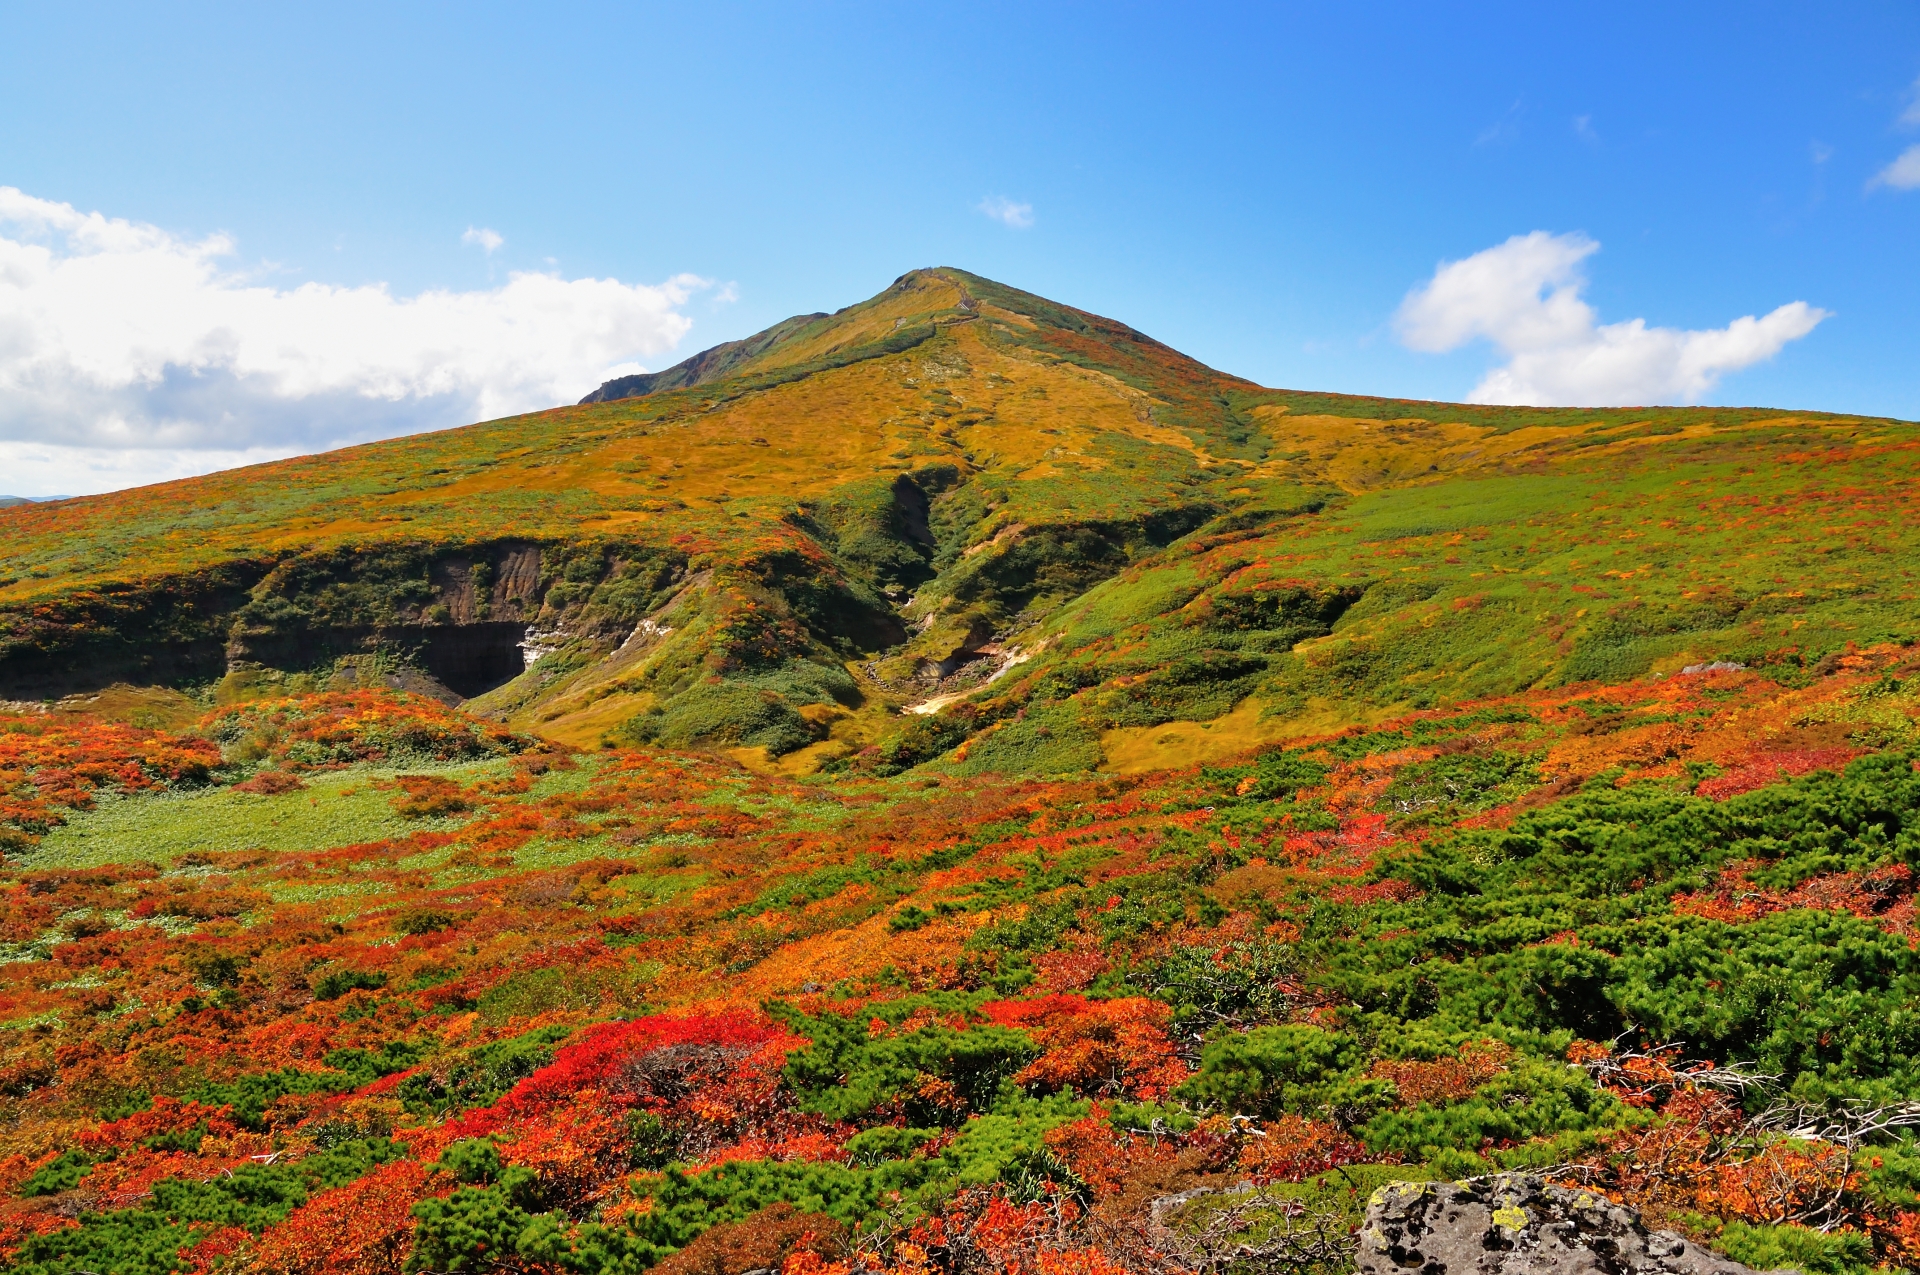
(516, 588)
(1515, 1224)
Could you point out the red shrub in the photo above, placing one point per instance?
(1096, 1047)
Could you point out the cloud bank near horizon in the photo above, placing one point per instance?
(129, 354)
(1524, 297)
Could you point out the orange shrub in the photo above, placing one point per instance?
(1294, 1148)
(1445, 1079)
(1096, 1047)
(363, 1228)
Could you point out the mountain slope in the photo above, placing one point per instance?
(1202, 806)
(782, 543)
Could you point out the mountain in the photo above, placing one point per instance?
(954, 786)
(994, 511)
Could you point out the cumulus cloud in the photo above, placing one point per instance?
(481, 237)
(127, 351)
(1524, 297)
(1005, 211)
(1903, 173)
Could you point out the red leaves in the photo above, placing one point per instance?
(1096, 1047)
(1886, 894)
(167, 1115)
(1762, 769)
(428, 797)
(1069, 971)
(1390, 890)
(718, 1067)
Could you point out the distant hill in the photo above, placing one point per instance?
(958, 521)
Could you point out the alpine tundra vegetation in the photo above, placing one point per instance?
(954, 785)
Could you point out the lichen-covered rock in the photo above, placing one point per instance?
(1516, 1224)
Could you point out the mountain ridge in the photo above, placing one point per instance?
(877, 504)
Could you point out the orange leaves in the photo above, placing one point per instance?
(428, 797)
(1096, 1047)
(271, 783)
(1294, 1148)
(1786, 1181)
(1069, 971)
(1076, 1261)
(1885, 894)
(346, 726)
(579, 1149)
(1899, 1236)
(771, 1238)
(1011, 1236)
(1703, 1155)
(1102, 1157)
(49, 764)
(363, 1228)
(1445, 1079)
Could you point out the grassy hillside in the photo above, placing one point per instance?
(886, 506)
(978, 773)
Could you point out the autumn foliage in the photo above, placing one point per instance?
(642, 1009)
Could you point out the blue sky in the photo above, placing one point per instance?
(1260, 186)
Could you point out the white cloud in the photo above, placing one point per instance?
(1524, 297)
(50, 469)
(1902, 173)
(122, 339)
(1002, 209)
(483, 238)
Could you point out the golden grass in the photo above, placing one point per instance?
(1133, 750)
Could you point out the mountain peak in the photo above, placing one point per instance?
(909, 309)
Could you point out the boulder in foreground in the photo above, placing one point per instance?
(1515, 1224)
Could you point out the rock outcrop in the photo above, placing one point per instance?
(1516, 1224)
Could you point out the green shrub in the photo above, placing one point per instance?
(150, 1240)
(63, 1173)
(730, 713)
(337, 982)
(477, 1077)
(1269, 1070)
(846, 1073)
